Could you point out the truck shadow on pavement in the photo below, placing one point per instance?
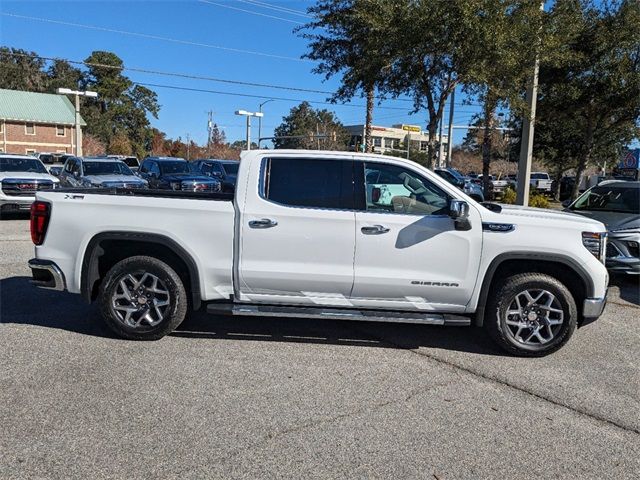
(629, 286)
(23, 304)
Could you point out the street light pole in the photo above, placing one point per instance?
(78, 129)
(260, 119)
(450, 129)
(526, 144)
(249, 115)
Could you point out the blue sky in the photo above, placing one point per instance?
(199, 25)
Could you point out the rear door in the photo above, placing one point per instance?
(297, 231)
(408, 253)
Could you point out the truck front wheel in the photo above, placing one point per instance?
(531, 314)
(143, 298)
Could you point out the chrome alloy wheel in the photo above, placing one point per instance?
(140, 300)
(534, 317)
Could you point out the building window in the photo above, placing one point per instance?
(1, 126)
(30, 128)
(30, 151)
(377, 141)
(60, 131)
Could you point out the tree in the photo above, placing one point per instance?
(22, 70)
(61, 74)
(120, 145)
(309, 123)
(121, 106)
(350, 37)
(589, 104)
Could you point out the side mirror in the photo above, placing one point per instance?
(216, 174)
(459, 211)
(566, 203)
(76, 174)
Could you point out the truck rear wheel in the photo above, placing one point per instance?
(531, 314)
(143, 298)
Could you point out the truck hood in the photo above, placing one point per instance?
(187, 177)
(613, 220)
(27, 176)
(102, 179)
(517, 214)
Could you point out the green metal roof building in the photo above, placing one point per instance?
(36, 122)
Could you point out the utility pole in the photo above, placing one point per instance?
(450, 129)
(440, 146)
(528, 126)
(78, 128)
(210, 132)
(188, 147)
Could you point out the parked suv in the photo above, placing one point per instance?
(467, 186)
(173, 173)
(98, 172)
(21, 177)
(616, 203)
(224, 170)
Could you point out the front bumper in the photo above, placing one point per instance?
(593, 307)
(46, 274)
(623, 252)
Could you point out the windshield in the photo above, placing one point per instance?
(540, 176)
(21, 165)
(171, 168)
(131, 161)
(231, 168)
(610, 199)
(106, 168)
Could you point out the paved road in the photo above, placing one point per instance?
(267, 398)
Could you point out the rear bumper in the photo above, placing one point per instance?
(16, 203)
(46, 274)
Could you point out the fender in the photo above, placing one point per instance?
(89, 272)
(564, 260)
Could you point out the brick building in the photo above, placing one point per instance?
(36, 122)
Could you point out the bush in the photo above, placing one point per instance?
(509, 196)
(538, 200)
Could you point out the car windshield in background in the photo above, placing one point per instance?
(610, 199)
(21, 165)
(539, 176)
(231, 168)
(171, 168)
(47, 158)
(106, 168)
(131, 161)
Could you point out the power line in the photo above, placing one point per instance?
(251, 12)
(277, 8)
(247, 95)
(154, 37)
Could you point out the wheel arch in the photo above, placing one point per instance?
(105, 249)
(562, 267)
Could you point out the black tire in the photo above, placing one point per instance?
(174, 313)
(503, 297)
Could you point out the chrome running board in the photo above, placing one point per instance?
(284, 311)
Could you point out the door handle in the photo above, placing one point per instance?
(375, 230)
(263, 223)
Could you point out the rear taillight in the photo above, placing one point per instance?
(40, 212)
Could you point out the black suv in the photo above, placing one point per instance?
(173, 173)
(224, 170)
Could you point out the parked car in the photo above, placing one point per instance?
(616, 203)
(98, 172)
(130, 161)
(21, 176)
(224, 170)
(456, 178)
(541, 182)
(173, 173)
(312, 234)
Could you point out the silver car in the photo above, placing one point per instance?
(99, 172)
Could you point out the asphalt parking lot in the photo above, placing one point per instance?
(269, 398)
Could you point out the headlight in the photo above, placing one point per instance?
(596, 243)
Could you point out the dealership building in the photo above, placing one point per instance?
(386, 139)
(36, 122)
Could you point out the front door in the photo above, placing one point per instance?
(408, 253)
(298, 233)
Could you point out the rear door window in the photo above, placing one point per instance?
(309, 182)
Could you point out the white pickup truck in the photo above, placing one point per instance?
(332, 235)
(541, 181)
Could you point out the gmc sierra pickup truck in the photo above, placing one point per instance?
(324, 235)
